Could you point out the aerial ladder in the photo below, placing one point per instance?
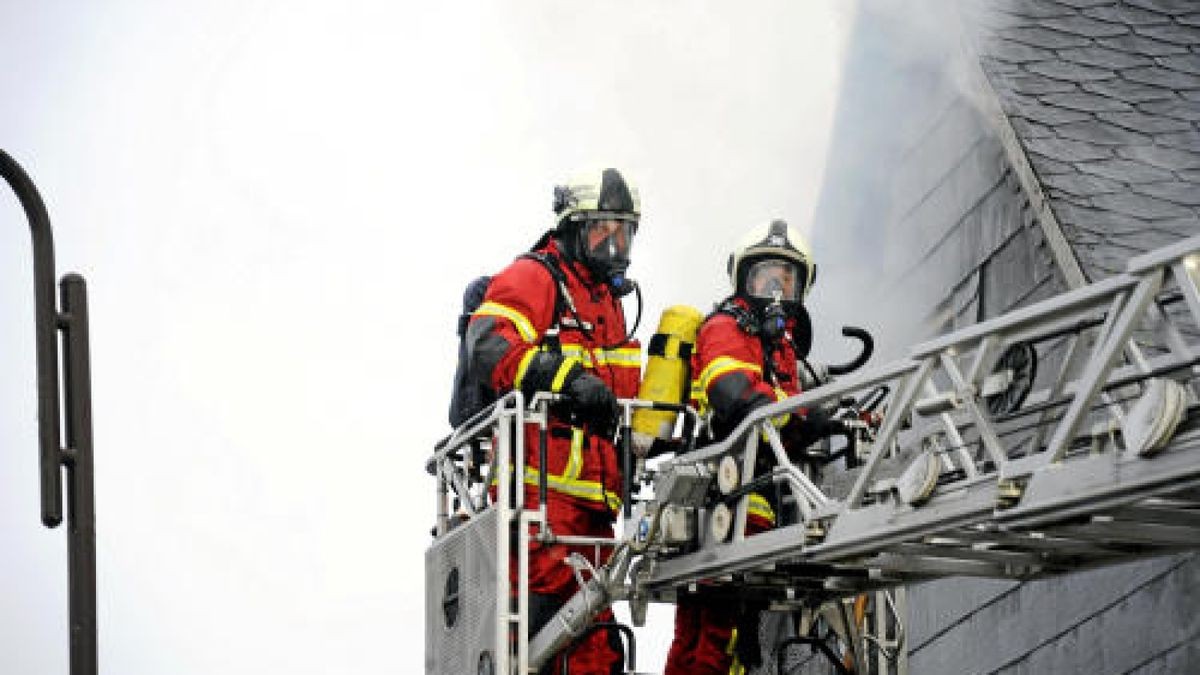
(1059, 437)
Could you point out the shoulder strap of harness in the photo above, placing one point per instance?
(562, 296)
(745, 321)
(744, 317)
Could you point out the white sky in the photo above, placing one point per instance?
(276, 206)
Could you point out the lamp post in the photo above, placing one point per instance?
(71, 320)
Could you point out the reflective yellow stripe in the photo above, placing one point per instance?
(561, 375)
(759, 506)
(524, 326)
(575, 459)
(735, 666)
(780, 421)
(590, 490)
(722, 365)
(523, 366)
(569, 483)
(700, 397)
(612, 501)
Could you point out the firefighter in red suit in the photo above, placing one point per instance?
(745, 358)
(553, 322)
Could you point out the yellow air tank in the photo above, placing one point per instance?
(667, 378)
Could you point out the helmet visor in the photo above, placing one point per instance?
(775, 279)
(607, 241)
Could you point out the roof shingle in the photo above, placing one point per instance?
(1125, 170)
(1035, 36)
(1140, 121)
(1140, 44)
(1140, 206)
(1131, 92)
(1062, 150)
(1088, 27)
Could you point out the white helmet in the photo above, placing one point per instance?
(605, 191)
(772, 259)
(598, 214)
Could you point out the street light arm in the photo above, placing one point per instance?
(46, 325)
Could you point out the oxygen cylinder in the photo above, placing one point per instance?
(668, 364)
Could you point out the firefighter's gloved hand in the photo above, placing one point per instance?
(591, 401)
(813, 426)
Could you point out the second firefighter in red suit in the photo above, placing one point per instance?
(591, 361)
(745, 358)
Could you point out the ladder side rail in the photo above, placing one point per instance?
(872, 529)
(1183, 251)
(1034, 315)
(1065, 321)
(1093, 483)
(833, 391)
(863, 531)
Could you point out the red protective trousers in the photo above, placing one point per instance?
(704, 630)
(600, 653)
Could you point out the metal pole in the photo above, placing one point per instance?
(81, 521)
(77, 456)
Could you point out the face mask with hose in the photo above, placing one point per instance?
(598, 215)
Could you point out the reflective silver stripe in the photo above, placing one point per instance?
(622, 357)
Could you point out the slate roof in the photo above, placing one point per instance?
(1105, 97)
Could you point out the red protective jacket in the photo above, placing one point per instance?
(732, 375)
(509, 329)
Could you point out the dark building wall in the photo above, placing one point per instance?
(921, 209)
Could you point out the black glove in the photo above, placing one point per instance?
(815, 425)
(590, 401)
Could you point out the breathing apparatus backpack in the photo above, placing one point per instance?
(468, 397)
